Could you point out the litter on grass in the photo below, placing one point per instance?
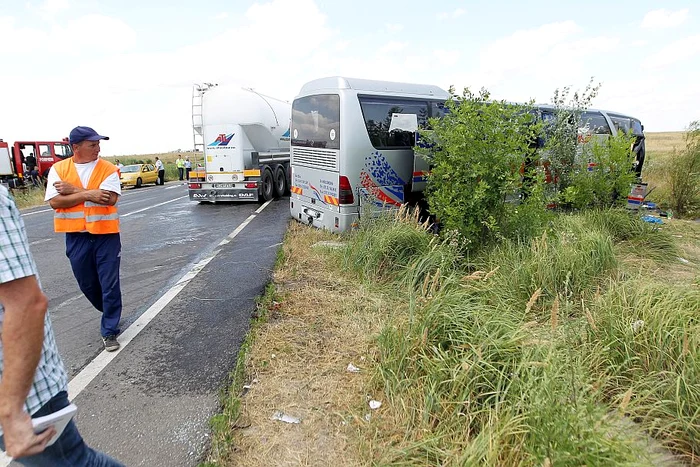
(283, 417)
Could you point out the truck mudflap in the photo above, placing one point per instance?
(213, 195)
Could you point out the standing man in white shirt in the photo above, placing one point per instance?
(83, 191)
(161, 171)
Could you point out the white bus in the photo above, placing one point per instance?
(352, 143)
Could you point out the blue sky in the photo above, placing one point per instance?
(127, 67)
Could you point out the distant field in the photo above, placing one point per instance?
(166, 157)
(665, 142)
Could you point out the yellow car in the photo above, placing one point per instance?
(138, 174)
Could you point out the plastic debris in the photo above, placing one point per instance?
(368, 417)
(374, 405)
(652, 219)
(683, 260)
(352, 368)
(637, 325)
(329, 244)
(283, 417)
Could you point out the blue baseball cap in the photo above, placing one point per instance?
(84, 133)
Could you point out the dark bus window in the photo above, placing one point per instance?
(377, 112)
(595, 123)
(316, 121)
(637, 128)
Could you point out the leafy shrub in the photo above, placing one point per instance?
(684, 175)
(477, 151)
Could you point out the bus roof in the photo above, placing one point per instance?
(335, 83)
(609, 112)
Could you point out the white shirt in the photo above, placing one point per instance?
(159, 165)
(119, 165)
(111, 183)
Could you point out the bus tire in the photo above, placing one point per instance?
(267, 185)
(280, 182)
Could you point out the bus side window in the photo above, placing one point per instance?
(595, 123)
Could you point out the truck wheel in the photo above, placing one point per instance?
(139, 182)
(267, 185)
(280, 182)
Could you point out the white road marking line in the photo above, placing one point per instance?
(174, 186)
(151, 207)
(82, 379)
(66, 302)
(36, 212)
(50, 210)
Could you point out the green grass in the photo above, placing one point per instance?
(526, 354)
(28, 197)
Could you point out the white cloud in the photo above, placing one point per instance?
(447, 57)
(527, 49)
(115, 89)
(222, 15)
(53, 6)
(106, 35)
(454, 14)
(675, 52)
(394, 28)
(661, 19)
(392, 46)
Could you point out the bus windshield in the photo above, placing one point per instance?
(316, 121)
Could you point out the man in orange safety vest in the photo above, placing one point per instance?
(83, 191)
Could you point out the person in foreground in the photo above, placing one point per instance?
(83, 191)
(33, 381)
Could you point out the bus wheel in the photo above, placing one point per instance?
(280, 182)
(267, 185)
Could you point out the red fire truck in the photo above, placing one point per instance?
(28, 162)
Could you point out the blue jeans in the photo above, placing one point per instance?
(95, 261)
(69, 450)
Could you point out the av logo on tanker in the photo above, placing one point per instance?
(222, 140)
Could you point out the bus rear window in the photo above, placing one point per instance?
(316, 121)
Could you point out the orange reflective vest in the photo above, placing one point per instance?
(88, 216)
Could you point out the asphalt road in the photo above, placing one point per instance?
(190, 274)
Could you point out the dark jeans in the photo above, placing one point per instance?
(95, 260)
(187, 173)
(161, 176)
(69, 450)
(181, 172)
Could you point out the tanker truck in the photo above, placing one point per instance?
(244, 136)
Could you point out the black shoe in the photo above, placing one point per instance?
(111, 343)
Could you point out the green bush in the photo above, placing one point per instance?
(684, 175)
(477, 151)
(601, 175)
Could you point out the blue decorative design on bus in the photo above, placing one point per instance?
(381, 172)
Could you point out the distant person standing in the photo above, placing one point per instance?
(33, 380)
(118, 164)
(83, 191)
(161, 171)
(180, 164)
(188, 168)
